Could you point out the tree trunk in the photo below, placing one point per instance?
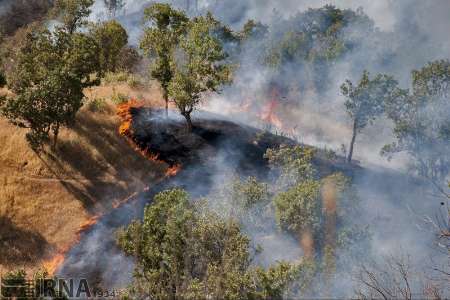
(352, 143)
(306, 241)
(166, 99)
(188, 121)
(55, 137)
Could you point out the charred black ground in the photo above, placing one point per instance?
(213, 145)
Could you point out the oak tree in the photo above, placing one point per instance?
(165, 26)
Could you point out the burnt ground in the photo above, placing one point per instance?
(212, 139)
(215, 146)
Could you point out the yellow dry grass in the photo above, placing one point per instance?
(45, 198)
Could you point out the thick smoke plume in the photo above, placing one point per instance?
(406, 35)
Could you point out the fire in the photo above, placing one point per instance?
(125, 129)
(172, 171)
(269, 116)
(53, 265)
(118, 204)
(124, 112)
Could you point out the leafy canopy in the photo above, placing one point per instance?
(422, 123)
(165, 26)
(73, 13)
(199, 66)
(111, 38)
(48, 79)
(183, 250)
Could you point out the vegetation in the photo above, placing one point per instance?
(422, 126)
(73, 13)
(165, 28)
(366, 101)
(111, 39)
(198, 69)
(113, 6)
(184, 251)
(315, 40)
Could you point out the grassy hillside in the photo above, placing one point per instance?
(44, 199)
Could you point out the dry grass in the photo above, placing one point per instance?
(45, 198)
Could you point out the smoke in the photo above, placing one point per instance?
(405, 35)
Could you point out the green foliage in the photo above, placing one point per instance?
(422, 125)
(184, 252)
(294, 164)
(249, 192)
(111, 38)
(119, 98)
(48, 79)
(315, 40)
(128, 59)
(165, 26)
(366, 101)
(199, 68)
(97, 105)
(299, 208)
(73, 13)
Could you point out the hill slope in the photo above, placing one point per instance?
(45, 199)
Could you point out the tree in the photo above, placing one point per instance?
(422, 125)
(51, 71)
(113, 6)
(165, 27)
(111, 38)
(199, 68)
(365, 102)
(73, 13)
(184, 251)
(293, 164)
(298, 210)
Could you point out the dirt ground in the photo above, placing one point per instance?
(44, 199)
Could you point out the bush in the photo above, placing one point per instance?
(117, 77)
(119, 98)
(97, 105)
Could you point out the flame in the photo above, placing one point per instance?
(118, 204)
(52, 265)
(173, 171)
(268, 113)
(124, 112)
(125, 129)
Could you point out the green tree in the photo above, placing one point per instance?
(199, 68)
(73, 13)
(298, 210)
(365, 101)
(422, 123)
(111, 38)
(293, 163)
(48, 79)
(184, 251)
(165, 26)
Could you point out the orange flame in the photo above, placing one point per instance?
(52, 265)
(173, 171)
(125, 129)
